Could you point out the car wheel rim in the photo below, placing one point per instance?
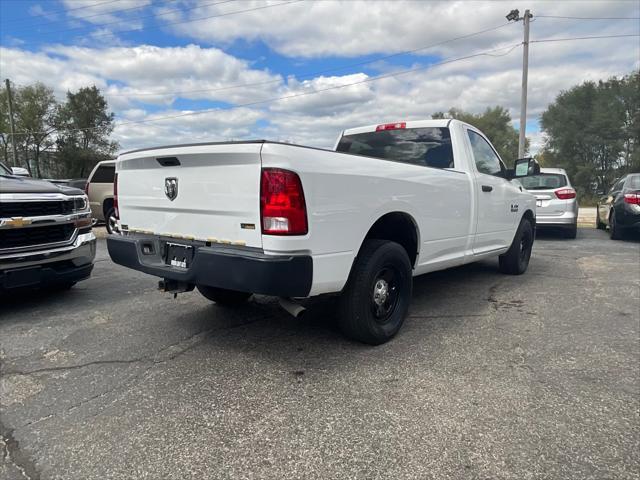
(385, 294)
(112, 223)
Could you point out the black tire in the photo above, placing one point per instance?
(224, 297)
(110, 220)
(376, 298)
(571, 232)
(599, 224)
(516, 260)
(615, 233)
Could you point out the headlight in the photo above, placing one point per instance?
(80, 203)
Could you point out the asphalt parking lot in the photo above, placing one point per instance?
(492, 377)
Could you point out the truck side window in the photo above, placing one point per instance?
(104, 174)
(487, 161)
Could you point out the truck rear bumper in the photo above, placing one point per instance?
(234, 268)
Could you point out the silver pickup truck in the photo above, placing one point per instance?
(45, 233)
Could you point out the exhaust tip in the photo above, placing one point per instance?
(294, 309)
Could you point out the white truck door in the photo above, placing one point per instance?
(494, 195)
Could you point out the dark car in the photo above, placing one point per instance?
(45, 234)
(620, 208)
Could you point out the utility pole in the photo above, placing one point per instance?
(13, 128)
(514, 15)
(525, 76)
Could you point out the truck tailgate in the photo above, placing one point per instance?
(215, 190)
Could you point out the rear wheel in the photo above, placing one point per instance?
(571, 232)
(599, 224)
(614, 230)
(375, 301)
(111, 220)
(516, 260)
(222, 296)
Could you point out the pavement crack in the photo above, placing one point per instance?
(38, 420)
(14, 454)
(72, 367)
(163, 355)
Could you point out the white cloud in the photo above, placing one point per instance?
(104, 12)
(536, 141)
(127, 74)
(352, 28)
(38, 11)
(216, 125)
(331, 28)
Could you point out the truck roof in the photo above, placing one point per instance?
(441, 122)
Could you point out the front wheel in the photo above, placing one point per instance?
(375, 301)
(224, 297)
(516, 260)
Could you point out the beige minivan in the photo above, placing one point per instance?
(99, 189)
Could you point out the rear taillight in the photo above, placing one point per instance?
(115, 196)
(632, 198)
(565, 193)
(391, 126)
(282, 203)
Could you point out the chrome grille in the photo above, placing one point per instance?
(27, 237)
(35, 209)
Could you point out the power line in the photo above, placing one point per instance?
(587, 18)
(319, 72)
(310, 92)
(101, 14)
(99, 25)
(107, 34)
(544, 40)
(64, 10)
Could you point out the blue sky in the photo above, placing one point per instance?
(225, 54)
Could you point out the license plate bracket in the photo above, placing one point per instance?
(178, 255)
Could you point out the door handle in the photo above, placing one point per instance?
(487, 188)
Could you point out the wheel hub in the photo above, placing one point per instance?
(380, 292)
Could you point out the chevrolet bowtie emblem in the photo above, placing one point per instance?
(17, 222)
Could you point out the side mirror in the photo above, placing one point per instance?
(525, 167)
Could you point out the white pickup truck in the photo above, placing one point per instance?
(391, 202)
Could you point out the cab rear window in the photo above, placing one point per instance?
(544, 181)
(429, 147)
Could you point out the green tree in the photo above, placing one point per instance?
(593, 131)
(495, 123)
(85, 124)
(35, 110)
(5, 138)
